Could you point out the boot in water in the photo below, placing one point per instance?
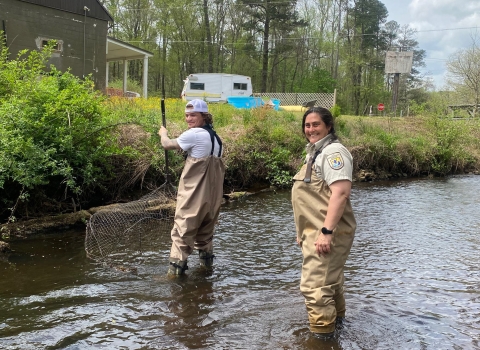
(177, 267)
(324, 336)
(206, 258)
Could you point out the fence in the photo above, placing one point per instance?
(470, 108)
(326, 100)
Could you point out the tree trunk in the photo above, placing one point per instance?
(265, 52)
(209, 37)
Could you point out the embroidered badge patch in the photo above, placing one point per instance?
(336, 161)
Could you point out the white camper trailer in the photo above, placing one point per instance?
(216, 87)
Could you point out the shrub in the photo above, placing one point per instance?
(336, 110)
(52, 129)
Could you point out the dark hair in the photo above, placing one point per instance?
(208, 118)
(326, 117)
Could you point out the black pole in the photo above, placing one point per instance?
(164, 123)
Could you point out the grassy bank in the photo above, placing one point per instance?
(266, 146)
(413, 146)
(260, 145)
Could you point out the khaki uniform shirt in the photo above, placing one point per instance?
(334, 163)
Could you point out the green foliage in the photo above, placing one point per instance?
(335, 110)
(319, 80)
(464, 73)
(382, 146)
(342, 128)
(279, 174)
(368, 15)
(449, 153)
(266, 151)
(435, 105)
(51, 126)
(414, 146)
(415, 155)
(132, 85)
(276, 166)
(449, 137)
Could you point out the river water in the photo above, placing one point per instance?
(412, 281)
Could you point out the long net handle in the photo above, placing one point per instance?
(164, 123)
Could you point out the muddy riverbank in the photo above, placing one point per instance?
(25, 228)
(78, 220)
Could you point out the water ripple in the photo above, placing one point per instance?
(412, 281)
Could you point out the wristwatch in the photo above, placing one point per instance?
(326, 232)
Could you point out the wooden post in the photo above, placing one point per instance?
(125, 73)
(106, 75)
(145, 76)
(396, 82)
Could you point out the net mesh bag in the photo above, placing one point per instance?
(118, 235)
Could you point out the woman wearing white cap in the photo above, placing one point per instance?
(200, 189)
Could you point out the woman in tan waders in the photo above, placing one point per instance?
(324, 221)
(200, 189)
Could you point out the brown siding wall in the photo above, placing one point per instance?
(26, 24)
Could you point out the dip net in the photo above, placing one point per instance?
(122, 235)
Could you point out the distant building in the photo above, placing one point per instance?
(80, 29)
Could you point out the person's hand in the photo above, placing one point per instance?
(323, 243)
(163, 131)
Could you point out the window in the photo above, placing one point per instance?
(239, 86)
(197, 86)
(57, 47)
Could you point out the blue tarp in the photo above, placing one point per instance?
(250, 102)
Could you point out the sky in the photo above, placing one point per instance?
(443, 28)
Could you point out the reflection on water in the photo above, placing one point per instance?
(412, 281)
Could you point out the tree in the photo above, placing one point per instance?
(208, 34)
(135, 22)
(268, 14)
(283, 45)
(464, 74)
(319, 80)
(364, 42)
(412, 86)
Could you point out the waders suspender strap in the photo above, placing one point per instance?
(213, 134)
(308, 172)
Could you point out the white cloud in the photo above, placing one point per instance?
(438, 23)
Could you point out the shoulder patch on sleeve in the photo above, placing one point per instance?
(335, 161)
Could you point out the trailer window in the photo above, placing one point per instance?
(197, 86)
(239, 86)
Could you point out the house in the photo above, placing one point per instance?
(80, 29)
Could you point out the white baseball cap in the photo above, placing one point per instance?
(196, 106)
